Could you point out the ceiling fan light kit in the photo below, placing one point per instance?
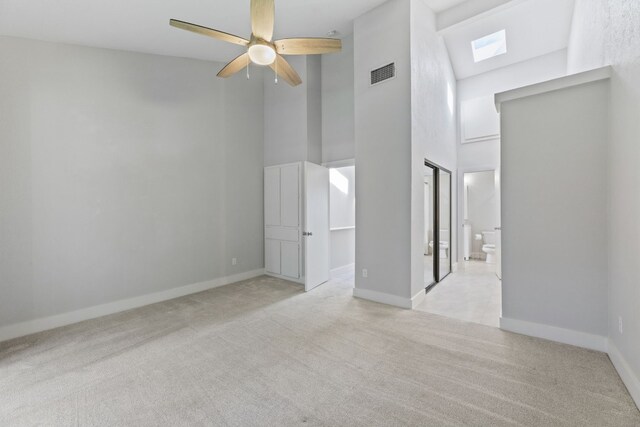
(262, 54)
(261, 50)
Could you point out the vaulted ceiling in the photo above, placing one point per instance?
(534, 27)
(143, 25)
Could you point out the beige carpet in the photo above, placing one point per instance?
(262, 352)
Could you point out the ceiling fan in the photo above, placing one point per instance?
(261, 50)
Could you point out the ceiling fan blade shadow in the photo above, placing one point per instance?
(286, 71)
(307, 46)
(199, 29)
(263, 18)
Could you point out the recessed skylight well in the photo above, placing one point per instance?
(489, 46)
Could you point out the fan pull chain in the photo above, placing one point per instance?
(276, 70)
(248, 67)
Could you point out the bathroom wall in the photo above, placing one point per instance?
(482, 206)
(607, 32)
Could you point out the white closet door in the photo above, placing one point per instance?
(290, 196)
(272, 256)
(282, 221)
(290, 261)
(272, 197)
(316, 241)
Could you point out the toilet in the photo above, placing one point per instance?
(443, 253)
(489, 246)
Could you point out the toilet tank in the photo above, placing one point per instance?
(489, 237)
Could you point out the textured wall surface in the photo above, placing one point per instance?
(608, 33)
(122, 174)
(433, 125)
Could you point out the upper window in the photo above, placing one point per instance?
(489, 46)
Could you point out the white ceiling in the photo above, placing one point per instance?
(534, 28)
(143, 25)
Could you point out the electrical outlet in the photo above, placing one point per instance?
(234, 261)
(365, 273)
(620, 325)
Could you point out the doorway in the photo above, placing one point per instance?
(473, 292)
(437, 218)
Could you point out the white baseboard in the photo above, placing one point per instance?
(63, 319)
(342, 270)
(383, 298)
(299, 281)
(552, 333)
(418, 298)
(629, 378)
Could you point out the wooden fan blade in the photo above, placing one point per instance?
(286, 71)
(234, 66)
(263, 18)
(307, 46)
(220, 35)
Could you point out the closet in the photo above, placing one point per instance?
(296, 222)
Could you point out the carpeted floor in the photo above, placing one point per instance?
(262, 352)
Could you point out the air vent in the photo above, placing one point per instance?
(382, 74)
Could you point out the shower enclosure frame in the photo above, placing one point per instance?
(436, 223)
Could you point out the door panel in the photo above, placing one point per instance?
(272, 256)
(272, 197)
(290, 260)
(316, 211)
(290, 196)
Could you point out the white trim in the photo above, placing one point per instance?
(418, 298)
(383, 298)
(353, 227)
(45, 323)
(299, 280)
(571, 80)
(342, 270)
(553, 333)
(629, 378)
(339, 163)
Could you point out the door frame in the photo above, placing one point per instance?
(436, 223)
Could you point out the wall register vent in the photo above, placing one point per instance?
(383, 74)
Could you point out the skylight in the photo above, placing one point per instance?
(489, 46)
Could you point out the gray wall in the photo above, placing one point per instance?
(608, 32)
(293, 115)
(122, 174)
(398, 124)
(383, 151)
(338, 133)
(554, 188)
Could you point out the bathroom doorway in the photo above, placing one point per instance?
(473, 291)
(437, 220)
